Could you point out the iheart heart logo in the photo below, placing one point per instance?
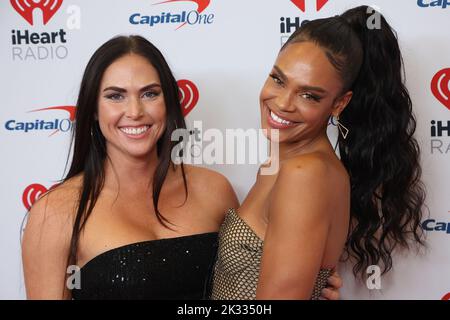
(301, 4)
(189, 95)
(440, 87)
(26, 7)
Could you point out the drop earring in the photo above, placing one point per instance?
(342, 129)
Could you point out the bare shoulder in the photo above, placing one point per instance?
(59, 201)
(52, 215)
(301, 195)
(208, 180)
(314, 178)
(309, 167)
(213, 187)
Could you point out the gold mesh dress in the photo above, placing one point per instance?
(238, 260)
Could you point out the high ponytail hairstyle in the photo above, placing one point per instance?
(380, 153)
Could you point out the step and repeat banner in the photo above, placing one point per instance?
(221, 52)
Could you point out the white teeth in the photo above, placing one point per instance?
(279, 120)
(134, 131)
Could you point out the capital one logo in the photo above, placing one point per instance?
(189, 95)
(301, 4)
(440, 87)
(69, 109)
(55, 125)
(193, 17)
(26, 8)
(433, 3)
(446, 297)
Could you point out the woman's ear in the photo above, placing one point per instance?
(341, 103)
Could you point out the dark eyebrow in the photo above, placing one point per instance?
(311, 88)
(280, 73)
(148, 87)
(302, 88)
(115, 89)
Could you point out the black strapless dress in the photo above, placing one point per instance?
(174, 268)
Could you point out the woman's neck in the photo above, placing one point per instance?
(130, 174)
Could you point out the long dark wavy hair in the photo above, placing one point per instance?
(89, 147)
(380, 153)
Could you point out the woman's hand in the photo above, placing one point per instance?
(331, 292)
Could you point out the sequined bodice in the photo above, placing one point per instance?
(174, 268)
(236, 270)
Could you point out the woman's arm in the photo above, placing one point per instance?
(297, 232)
(45, 248)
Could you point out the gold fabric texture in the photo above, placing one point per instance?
(238, 261)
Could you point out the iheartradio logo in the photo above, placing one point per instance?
(440, 87)
(32, 193)
(189, 95)
(301, 4)
(26, 7)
